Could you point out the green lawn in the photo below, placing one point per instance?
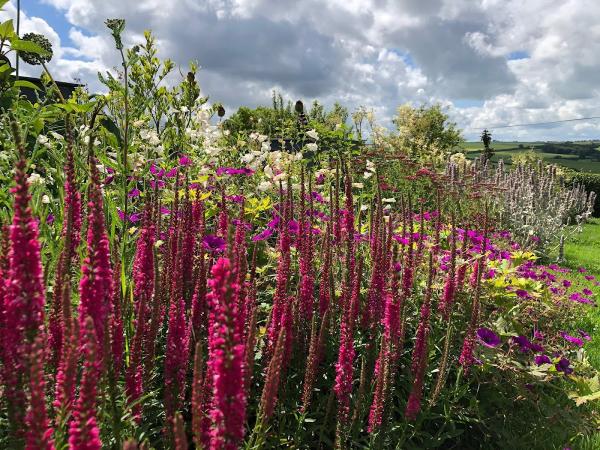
(584, 251)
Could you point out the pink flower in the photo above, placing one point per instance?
(83, 429)
(95, 287)
(226, 358)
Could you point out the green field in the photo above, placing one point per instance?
(506, 151)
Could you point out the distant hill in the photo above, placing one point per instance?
(583, 156)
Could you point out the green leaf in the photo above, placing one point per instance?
(27, 84)
(5, 68)
(7, 29)
(28, 46)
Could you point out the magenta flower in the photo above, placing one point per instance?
(226, 358)
(172, 173)
(96, 285)
(584, 335)
(566, 283)
(83, 429)
(185, 160)
(214, 243)
(135, 192)
(572, 339)
(488, 338)
(265, 234)
(587, 292)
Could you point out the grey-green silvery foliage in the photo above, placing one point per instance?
(536, 204)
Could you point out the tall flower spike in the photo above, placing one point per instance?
(39, 432)
(83, 429)
(268, 399)
(96, 285)
(226, 358)
(179, 433)
(197, 396)
(24, 295)
(420, 351)
(71, 232)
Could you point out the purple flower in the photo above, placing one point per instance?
(590, 277)
(563, 366)
(536, 348)
(273, 223)
(488, 338)
(265, 234)
(172, 173)
(185, 160)
(135, 217)
(542, 359)
(523, 343)
(50, 219)
(320, 179)
(582, 270)
(566, 283)
(164, 210)
(572, 339)
(584, 335)
(232, 171)
(110, 170)
(214, 243)
(109, 179)
(135, 192)
(239, 199)
(154, 184)
(294, 227)
(318, 197)
(587, 292)
(521, 293)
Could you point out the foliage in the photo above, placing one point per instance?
(425, 132)
(591, 183)
(331, 294)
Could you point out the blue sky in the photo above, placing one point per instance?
(486, 61)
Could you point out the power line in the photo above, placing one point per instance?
(535, 123)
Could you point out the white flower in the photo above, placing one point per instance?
(265, 146)
(42, 139)
(364, 207)
(358, 185)
(45, 199)
(298, 156)
(389, 200)
(311, 147)
(247, 158)
(264, 186)
(35, 178)
(367, 175)
(280, 177)
(313, 134)
(58, 137)
(139, 123)
(268, 171)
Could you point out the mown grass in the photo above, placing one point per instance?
(583, 250)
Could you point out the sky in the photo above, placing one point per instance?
(489, 62)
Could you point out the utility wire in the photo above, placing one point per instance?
(534, 124)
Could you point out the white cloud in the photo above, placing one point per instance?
(379, 53)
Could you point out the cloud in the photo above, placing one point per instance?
(490, 61)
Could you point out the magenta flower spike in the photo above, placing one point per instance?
(226, 358)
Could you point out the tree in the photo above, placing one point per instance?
(488, 151)
(426, 132)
